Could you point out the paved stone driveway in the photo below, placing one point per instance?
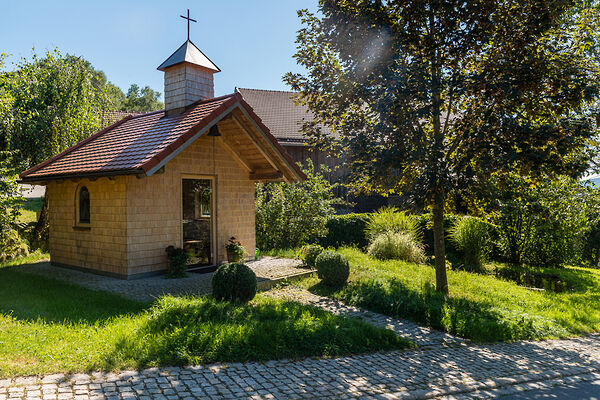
(267, 269)
(443, 371)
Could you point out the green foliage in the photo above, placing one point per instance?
(234, 282)
(480, 307)
(426, 226)
(389, 219)
(50, 326)
(56, 102)
(332, 268)
(591, 250)
(542, 223)
(290, 215)
(141, 100)
(177, 259)
(472, 236)
(11, 244)
(431, 98)
(310, 253)
(345, 230)
(396, 246)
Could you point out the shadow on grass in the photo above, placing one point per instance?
(32, 297)
(181, 331)
(481, 322)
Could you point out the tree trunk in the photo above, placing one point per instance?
(439, 249)
(42, 222)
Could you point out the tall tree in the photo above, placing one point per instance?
(56, 102)
(431, 95)
(142, 100)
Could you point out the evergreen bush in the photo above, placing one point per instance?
(234, 282)
(177, 260)
(310, 253)
(332, 268)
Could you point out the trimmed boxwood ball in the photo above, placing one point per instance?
(234, 282)
(310, 253)
(332, 268)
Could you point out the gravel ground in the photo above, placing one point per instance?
(268, 270)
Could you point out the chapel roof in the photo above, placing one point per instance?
(140, 144)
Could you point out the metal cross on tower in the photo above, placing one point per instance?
(188, 22)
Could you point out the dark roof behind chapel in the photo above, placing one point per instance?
(279, 113)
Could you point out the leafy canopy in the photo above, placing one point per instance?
(429, 97)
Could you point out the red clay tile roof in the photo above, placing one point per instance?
(278, 111)
(109, 117)
(136, 144)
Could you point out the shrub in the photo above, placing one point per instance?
(234, 282)
(290, 215)
(332, 268)
(177, 260)
(310, 253)
(389, 219)
(396, 246)
(541, 222)
(11, 243)
(346, 230)
(472, 236)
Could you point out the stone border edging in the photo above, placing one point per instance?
(267, 284)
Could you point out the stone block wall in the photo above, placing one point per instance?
(102, 246)
(185, 84)
(154, 206)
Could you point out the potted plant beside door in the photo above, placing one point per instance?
(235, 250)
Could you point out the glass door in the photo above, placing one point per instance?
(197, 220)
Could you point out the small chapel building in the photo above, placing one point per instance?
(180, 177)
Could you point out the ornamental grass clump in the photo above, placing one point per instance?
(332, 268)
(389, 219)
(472, 236)
(397, 246)
(234, 282)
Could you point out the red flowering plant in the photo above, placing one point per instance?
(235, 250)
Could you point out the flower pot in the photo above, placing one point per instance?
(234, 257)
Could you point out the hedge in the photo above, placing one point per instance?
(345, 230)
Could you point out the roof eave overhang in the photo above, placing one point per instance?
(81, 175)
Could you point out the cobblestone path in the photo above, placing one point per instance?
(452, 372)
(421, 335)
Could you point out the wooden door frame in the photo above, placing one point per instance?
(214, 216)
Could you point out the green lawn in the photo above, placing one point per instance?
(479, 307)
(48, 326)
(29, 210)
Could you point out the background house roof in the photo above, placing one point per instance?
(137, 144)
(279, 113)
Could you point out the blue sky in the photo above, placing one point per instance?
(251, 41)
